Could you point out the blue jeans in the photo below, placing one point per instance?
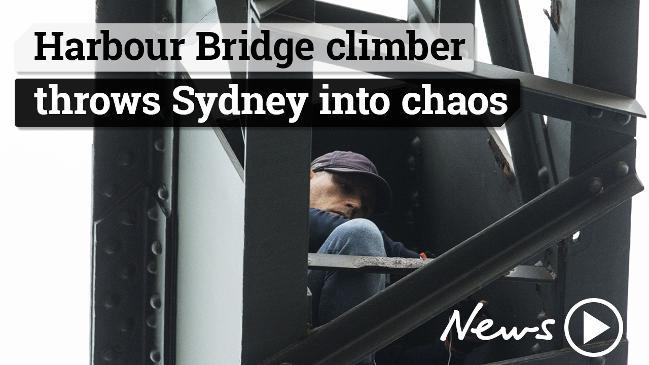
(335, 292)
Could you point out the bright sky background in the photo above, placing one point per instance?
(45, 190)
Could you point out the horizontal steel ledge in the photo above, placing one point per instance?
(322, 261)
(331, 262)
(470, 265)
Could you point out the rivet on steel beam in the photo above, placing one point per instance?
(621, 169)
(126, 325)
(415, 199)
(152, 213)
(125, 159)
(112, 301)
(542, 316)
(596, 185)
(156, 247)
(623, 119)
(127, 218)
(163, 193)
(415, 144)
(155, 301)
(166, 17)
(155, 356)
(151, 321)
(152, 268)
(159, 145)
(127, 271)
(109, 190)
(412, 163)
(112, 246)
(544, 177)
(595, 113)
(108, 355)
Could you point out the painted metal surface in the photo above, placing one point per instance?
(329, 262)
(467, 267)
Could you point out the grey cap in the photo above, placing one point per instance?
(348, 162)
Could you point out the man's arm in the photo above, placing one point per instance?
(397, 249)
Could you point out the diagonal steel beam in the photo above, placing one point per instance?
(539, 95)
(469, 266)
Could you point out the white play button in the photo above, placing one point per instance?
(593, 327)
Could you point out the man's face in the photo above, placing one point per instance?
(350, 195)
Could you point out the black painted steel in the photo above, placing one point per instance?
(597, 263)
(330, 13)
(568, 356)
(134, 242)
(275, 229)
(469, 266)
(275, 307)
(134, 246)
(508, 47)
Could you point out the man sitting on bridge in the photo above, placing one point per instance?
(346, 189)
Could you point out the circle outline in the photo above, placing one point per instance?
(566, 327)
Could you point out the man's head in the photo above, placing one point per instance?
(348, 184)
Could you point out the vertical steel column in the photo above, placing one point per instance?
(134, 231)
(275, 240)
(527, 137)
(595, 45)
(276, 226)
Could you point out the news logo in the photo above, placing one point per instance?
(587, 328)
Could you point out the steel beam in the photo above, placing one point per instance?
(568, 356)
(602, 109)
(330, 262)
(275, 229)
(400, 265)
(330, 13)
(134, 224)
(564, 100)
(595, 45)
(263, 8)
(276, 225)
(508, 47)
(468, 266)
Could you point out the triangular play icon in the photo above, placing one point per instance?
(593, 327)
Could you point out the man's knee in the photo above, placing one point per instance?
(360, 237)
